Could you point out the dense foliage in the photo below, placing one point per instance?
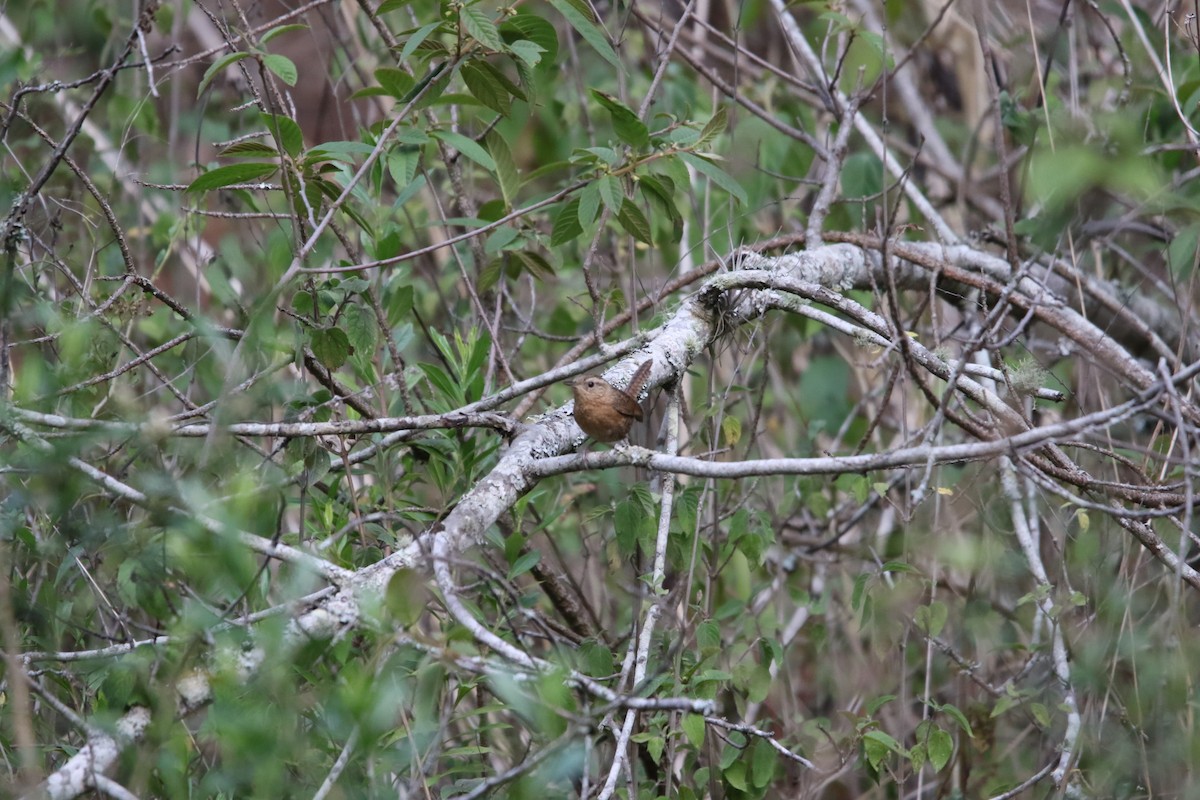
(291, 498)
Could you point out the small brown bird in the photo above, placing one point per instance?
(605, 412)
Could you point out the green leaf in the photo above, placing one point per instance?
(1183, 251)
(360, 326)
(407, 596)
(526, 562)
(591, 34)
(396, 82)
(279, 30)
(566, 224)
(931, 618)
(249, 149)
(391, 5)
(497, 75)
(762, 764)
(661, 200)
(399, 304)
(655, 746)
(531, 29)
(331, 346)
(881, 738)
(468, 147)
(282, 66)
(446, 387)
(735, 774)
(693, 728)
(708, 637)
(628, 127)
(713, 129)
(611, 192)
(589, 204)
(489, 276)
(479, 26)
(486, 89)
(634, 222)
(731, 430)
(879, 702)
(530, 53)
(417, 39)
(716, 175)
(402, 164)
(499, 239)
(941, 747)
(534, 264)
(231, 174)
(218, 66)
(286, 133)
(956, 715)
(862, 176)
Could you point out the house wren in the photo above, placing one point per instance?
(605, 412)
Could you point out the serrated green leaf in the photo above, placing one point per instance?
(626, 125)
(282, 66)
(331, 346)
(360, 326)
(566, 224)
(230, 175)
(218, 66)
(716, 175)
(479, 26)
(634, 222)
(468, 147)
(588, 29)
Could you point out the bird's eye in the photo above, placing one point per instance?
(591, 383)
